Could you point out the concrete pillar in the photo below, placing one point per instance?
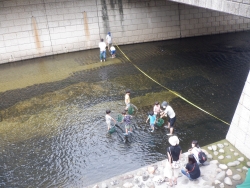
(239, 131)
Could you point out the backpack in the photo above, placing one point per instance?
(202, 157)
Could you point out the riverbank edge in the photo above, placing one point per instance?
(226, 167)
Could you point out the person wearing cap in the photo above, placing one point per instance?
(174, 154)
(109, 118)
(169, 112)
(127, 99)
(109, 40)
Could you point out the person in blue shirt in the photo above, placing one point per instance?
(152, 120)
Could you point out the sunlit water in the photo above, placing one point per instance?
(53, 131)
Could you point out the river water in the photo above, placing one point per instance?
(52, 126)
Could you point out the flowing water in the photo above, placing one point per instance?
(52, 126)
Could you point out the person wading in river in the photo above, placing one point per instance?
(127, 99)
(169, 112)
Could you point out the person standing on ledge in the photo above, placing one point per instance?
(109, 40)
(127, 99)
(169, 112)
(102, 46)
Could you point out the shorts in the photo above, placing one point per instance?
(127, 126)
(152, 125)
(109, 124)
(113, 52)
(172, 121)
(127, 105)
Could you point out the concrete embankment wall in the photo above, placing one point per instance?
(35, 28)
(239, 131)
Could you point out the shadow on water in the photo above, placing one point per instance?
(52, 127)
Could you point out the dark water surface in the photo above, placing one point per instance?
(52, 126)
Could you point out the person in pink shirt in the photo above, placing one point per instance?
(157, 109)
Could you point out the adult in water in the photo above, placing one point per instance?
(169, 112)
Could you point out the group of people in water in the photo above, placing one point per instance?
(152, 117)
(172, 169)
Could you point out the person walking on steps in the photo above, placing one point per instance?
(169, 112)
(102, 46)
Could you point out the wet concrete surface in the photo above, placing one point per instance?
(52, 129)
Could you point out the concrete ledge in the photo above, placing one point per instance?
(225, 165)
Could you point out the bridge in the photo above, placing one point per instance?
(235, 7)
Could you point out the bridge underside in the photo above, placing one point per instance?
(236, 7)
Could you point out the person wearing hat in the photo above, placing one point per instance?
(109, 40)
(174, 154)
(127, 99)
(169, 112)
(108, 119)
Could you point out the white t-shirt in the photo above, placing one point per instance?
(112, 48)
(108, 39)
(102, 46)
(127, 99)
(169, 111)
(196, 151)
(108, 119)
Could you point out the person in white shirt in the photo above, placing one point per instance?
(109, 118)
(102, 46)
(169, 112)
(127, 99)
(109, 40)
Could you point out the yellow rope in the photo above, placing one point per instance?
(169, 89)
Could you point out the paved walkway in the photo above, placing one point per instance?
(226, 167)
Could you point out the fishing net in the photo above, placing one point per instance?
(131, 110)
(112, 130)
(160, 122)
(119, 118)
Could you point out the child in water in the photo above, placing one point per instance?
(152, 120)
(108, 119)
(127, 120)
(112, 51)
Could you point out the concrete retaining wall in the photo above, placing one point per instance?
(38, 28)
(239, 131)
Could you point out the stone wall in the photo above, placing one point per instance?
(239, 131)
(35, 28)
(235, 7)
